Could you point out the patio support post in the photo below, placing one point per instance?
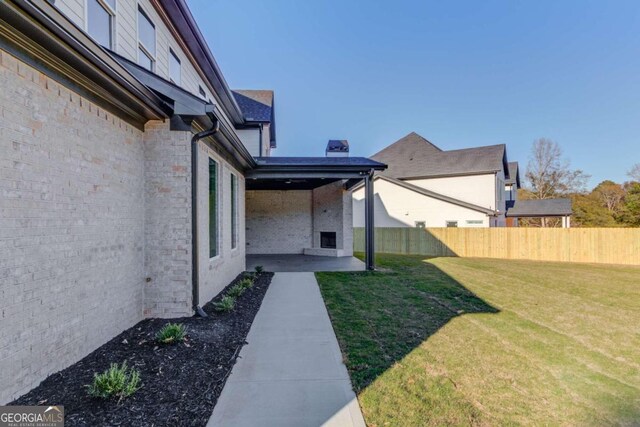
(368, 222)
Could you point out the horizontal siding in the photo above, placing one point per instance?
(127, 39)
(74, 10)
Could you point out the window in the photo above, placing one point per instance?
(146, 41)
(174, 67)
(474, 222)
(421, 224)
(202, 92)
(452, 223)
(100, 16)
(234, 211)
(213, 208)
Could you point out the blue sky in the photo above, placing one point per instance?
(460, 73)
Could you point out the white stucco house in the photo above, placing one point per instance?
(425, 186)
(134, 181)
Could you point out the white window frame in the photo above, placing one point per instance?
(141, 46)
(112, 20)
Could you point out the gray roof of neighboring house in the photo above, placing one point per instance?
(539, 208)
(432, 194)
(513, 174)
(414, 157)
(338, 145)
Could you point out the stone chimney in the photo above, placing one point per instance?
(337, 148)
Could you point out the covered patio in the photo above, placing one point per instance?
(545, 208)
(302, 206)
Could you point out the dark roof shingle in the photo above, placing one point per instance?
(413, 156)
(256, 105)
(539, 208)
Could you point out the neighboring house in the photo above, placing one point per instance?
(127, 165)
(425, 186)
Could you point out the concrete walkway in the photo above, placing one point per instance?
(301, 263)
(291, 372)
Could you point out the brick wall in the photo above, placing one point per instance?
(167, 165)
(279, 222)
(216, 273)
(71, 226)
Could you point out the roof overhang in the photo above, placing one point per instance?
(191, 112)
(41, 35)
(179, 14)
(304, 173)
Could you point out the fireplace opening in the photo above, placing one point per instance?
(328, 239)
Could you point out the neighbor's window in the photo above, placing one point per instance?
(174, 67)
(213, 208)
(475, 222)
(234, 211)
(146, 41)
(452, 223)
(100, 16)
(421, 224)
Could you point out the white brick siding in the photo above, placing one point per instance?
(71, 227)
(90, 208)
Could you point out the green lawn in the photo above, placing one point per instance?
(454, 341)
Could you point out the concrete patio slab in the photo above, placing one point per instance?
(303, 263)
(291, 372)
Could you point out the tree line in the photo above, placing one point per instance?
(608, 204)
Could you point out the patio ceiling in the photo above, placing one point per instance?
(307, 173)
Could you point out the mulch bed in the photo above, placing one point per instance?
(180, 383)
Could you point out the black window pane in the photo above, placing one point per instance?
(99, 23)
(234, 211)
(213, 208)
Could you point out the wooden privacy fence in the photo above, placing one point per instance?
(597, 245)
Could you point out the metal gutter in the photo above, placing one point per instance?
(85, 60)
(195, 264)
(181, 17)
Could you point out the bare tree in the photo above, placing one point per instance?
(610, 195)
(634, 173)
(549, 175)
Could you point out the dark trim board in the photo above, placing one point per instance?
(44, 38)
(431, 194)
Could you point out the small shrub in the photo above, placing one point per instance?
(246, 283)
(259, 269)
(225, 304)
(171, 333)
(236, 290)
(117, 381)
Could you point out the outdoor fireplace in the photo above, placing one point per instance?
(328, 239)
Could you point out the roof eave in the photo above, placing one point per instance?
(180, 15)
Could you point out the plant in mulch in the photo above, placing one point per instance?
(117, 381)
(171, 333)
(246, 283)
(236, 290)
(182, 382)
(259, 269)
(225, 305)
